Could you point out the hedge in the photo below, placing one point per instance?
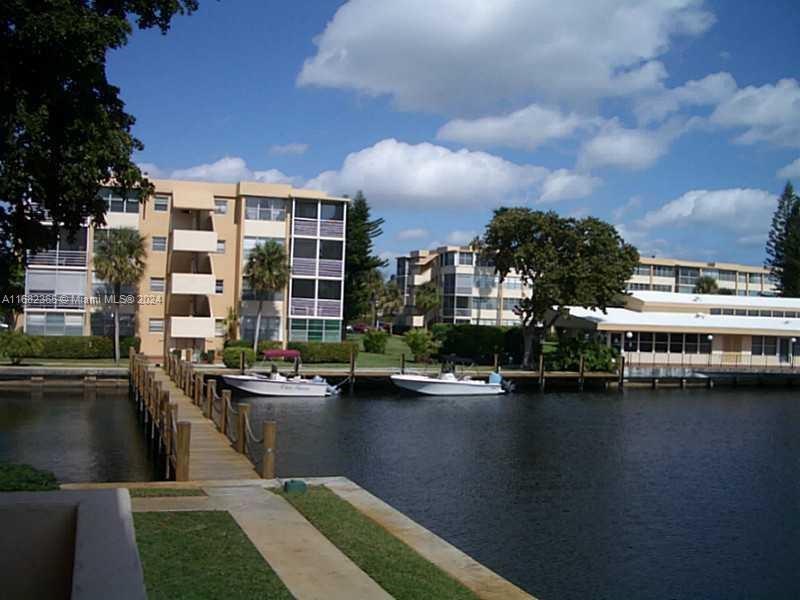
(92, 346)
(478, 342)
(375, 341)
(567, 356)
(318, 352)
(238, 344)
(24, 478)
(230, 356)
(268, 345)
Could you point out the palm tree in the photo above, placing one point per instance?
(231, 324)
(268, 271)
(119, 260)
(706, 285)
(374, 283)
(426, 298)
(391, 302)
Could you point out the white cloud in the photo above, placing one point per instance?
(412, 234)
(461, 237)
(457, 55)
(228, 168)
(633, 204)
(740, 210)
(566, 185)
(400, 175)
(293, 148)
(790, 170)
(770, 113)
(618, 146)
(527, 128)
(708, 91)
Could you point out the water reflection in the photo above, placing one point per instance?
(656, 494)
(80, 435)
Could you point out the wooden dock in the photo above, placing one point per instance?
(197, 437)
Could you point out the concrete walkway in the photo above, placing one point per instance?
(310, 566)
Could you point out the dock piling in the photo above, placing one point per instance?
(268, 461)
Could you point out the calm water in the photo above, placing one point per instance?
(646, 494)
(92, 437)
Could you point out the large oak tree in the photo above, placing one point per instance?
(561, 261)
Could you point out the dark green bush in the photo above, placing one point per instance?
(90, 346)
(238, 344)
(268, 345)
(24, 478)
(230, 356)
(567, 356)
(421, 344)
(478, 342)
(375, 341)
(127, 342)
(440, 331)
(15, 346)
(318, 352)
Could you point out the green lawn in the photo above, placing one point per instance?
(395, 566)
(67, 362)
(158, 492)
(202, 554)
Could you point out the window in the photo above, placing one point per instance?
(675, 343)
(510, 303)
(645, 342)
(690, 345)
(770, 345)
(102, 323)
(727, 276)
(156, 284)
(305, 248)
(219, 327)
(249, 294)
(270, 328)
(661, 271)
(464, 284)
(466, 258)
(757, 345)
(219, 286)
(54, 324)
(118, 204)
(636, 287)
(687, 275)
(220, 206)
(740, 312)
(754, 278)
(265, 209)
(156, 326)
(303, 288)
(661, 288)
(642, 270)
(705, 343)
(332, 211)
(306, 209)
(158, 243)
(448, 258)
(486, 303)
(488, 282)
(161, 203)
(220, 246)
(631, 342)
(315, 330)
(727, 311)
(511, 283)
(662, 342)
(251, 242)
(330, 250)
(329, 290)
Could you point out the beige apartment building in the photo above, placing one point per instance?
(471, 291)
(198, 237)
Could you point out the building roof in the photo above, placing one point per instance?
(708, 300)
(678, 262)
(622, 319)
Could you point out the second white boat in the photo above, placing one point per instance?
(278, 385)
(448, 384)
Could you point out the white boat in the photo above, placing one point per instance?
(448, 384)
(278, 385)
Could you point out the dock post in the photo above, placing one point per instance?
(211, 389)
(163, 410)
(621, 381)
(580, 373)
(403, 362)
(223, 420)
(241, 429)
(241, 362)
(496, 361)
(268, 461)
(352, 369)
(541, 372)
(182, 451)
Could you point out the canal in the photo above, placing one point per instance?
(644, 494)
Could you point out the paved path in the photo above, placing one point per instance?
(310, 566)
(211, 455)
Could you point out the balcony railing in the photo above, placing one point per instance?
(302, 307)
(307, 227)
(304, 266)
(58, 258)
(308, 307)
(334, 229)
(192, 327)
(329, 308)
(330, 268)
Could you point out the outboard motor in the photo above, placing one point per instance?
(504, 383)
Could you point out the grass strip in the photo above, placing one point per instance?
(202, 554)
(395, 566)
(158, 492)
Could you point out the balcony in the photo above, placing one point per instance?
(308, 307)
(306, 227)
(305, 267)
(58, 258)
(331, 268)
(186, 240)
(302, 307)
(191, 327)
(192, 283)
(332, 229)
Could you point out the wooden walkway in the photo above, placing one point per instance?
(211, 455)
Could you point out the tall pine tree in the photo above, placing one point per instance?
(360, 262)
(776, 241)
(790, 282)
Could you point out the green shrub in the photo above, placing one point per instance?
(128, 342)
(230, 356)
(567, 356)
(375, 341)
(440, 330)
(268, 345)
(318, 352)
(421, 344)
(71, 346)
(15, 346)
(238, 344)
(24, 478)
(478, 342)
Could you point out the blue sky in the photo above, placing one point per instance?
(676, 120)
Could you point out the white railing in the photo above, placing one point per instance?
(334, 229)
(302, 307)
(307, 227)
(329, 308)
(304, 266)
(58, 258)
(330, 268)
